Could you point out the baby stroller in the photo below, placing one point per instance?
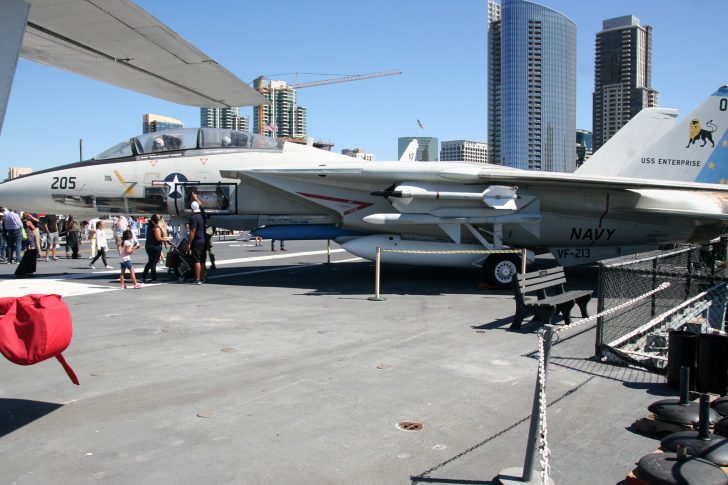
(180, 263)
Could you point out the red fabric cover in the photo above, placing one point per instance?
(34, 328)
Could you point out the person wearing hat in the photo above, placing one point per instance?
(196, 244)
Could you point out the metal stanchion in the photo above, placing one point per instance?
(377, 266)
(524, 254)
(328, 251)
(515, 475)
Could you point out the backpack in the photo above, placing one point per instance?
(34, 328)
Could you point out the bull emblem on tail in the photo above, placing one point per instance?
(696, 132)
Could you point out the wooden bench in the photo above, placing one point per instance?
(550, 296)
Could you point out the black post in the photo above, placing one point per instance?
(599, 341)
(654, 285)
(689, 279)
(704, 419)
(684, 385)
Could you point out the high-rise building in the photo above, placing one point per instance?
(152, 122)
(427, 149)
(228, 118)
(282, 117)
(622, 75)
(494, 83)
(463, 150)
(531, 87)
(358, 153)
(583, 146)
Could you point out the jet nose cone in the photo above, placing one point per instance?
(24, 193)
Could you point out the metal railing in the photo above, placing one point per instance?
(698, 295)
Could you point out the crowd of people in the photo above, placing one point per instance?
(22, 231)
(25, 235)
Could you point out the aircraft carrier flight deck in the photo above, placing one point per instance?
(279, 370)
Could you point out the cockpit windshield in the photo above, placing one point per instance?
(119, 150)
(167, 140)
(189, 139)
(221, 138)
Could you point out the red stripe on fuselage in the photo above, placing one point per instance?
(359, 204)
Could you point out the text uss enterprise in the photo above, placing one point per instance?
(670, 161)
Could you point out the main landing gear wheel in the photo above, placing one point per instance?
(499, 269)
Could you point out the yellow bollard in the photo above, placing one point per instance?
(377, 266)
(524, 255)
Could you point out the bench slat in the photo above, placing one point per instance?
(544, 285)
(540, 275)
(568, 296)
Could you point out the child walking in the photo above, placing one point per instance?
(100, 243)
(125, 251)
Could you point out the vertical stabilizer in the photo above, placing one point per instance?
(13, 17)
(410, 154)
(629, 142)
(694, 150)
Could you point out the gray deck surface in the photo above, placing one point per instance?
(281, 371)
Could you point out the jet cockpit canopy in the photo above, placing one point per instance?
(189, 139)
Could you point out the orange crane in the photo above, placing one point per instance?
(345, 79)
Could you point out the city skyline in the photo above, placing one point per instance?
(372, 113)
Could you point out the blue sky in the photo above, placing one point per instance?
(440, 47)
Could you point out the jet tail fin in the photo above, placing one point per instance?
(694, 150)
(629, 142)
(410, 154)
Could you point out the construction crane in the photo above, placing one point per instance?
(346, 79)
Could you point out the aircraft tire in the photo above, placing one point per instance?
(499, 269)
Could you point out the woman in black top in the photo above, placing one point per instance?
(73, 237)
(153, 247)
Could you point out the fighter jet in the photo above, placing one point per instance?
(655, 182)
(630, 195)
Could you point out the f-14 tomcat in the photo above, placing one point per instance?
(631, 193)
(655, 182)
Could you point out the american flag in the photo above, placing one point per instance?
(271, 127)
(419, 123)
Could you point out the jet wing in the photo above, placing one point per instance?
(342, 183)
(469, 174)
(117, 42)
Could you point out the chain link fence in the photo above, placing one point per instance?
(695, 300)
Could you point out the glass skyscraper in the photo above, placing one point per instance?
(531, 87)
